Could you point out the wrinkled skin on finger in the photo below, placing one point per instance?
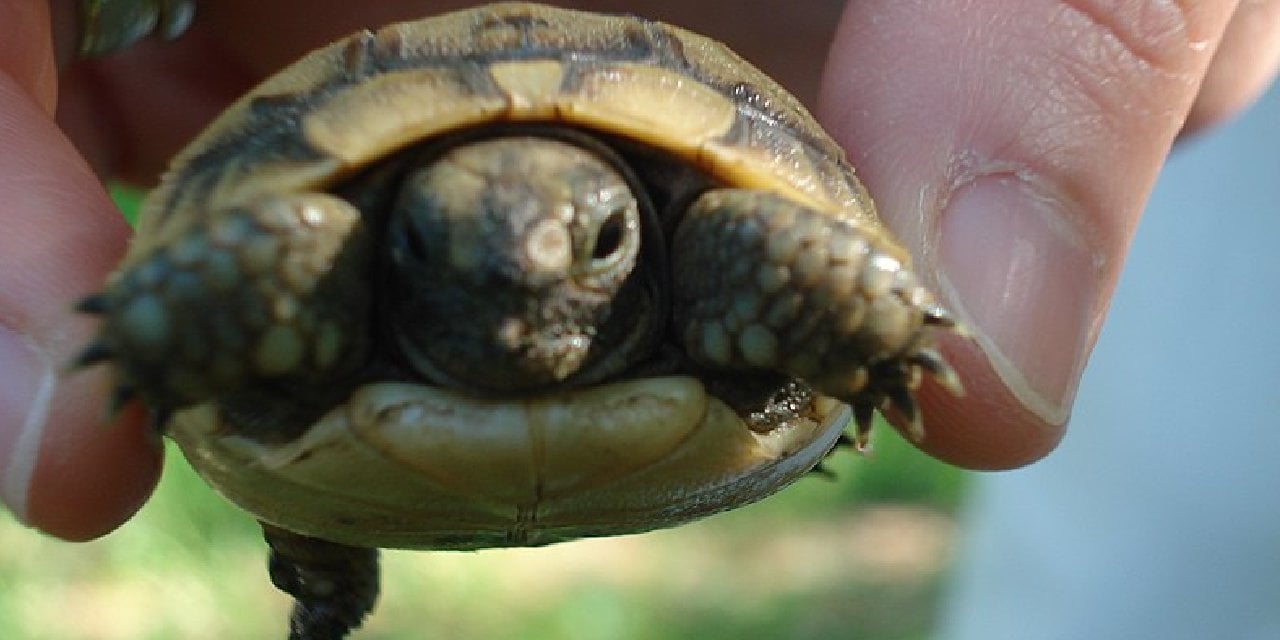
(1015, 161)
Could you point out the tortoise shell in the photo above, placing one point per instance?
(754, 304)
(508, 276)
(388, 460)
(367, 96)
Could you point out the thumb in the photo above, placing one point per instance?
(1013, 145)
(61, 469)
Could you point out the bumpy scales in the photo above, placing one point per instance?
(768, 284)
(507, 277)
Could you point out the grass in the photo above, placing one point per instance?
(857, 557)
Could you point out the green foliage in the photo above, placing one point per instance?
(898, 473)
(128, 199)
(859, 556)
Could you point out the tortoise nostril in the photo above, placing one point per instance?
(410, 243)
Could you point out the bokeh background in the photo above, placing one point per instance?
(1174, 439)
(1159, 516)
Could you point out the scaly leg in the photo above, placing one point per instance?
(243, 295)
(763, 283)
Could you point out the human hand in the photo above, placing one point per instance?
(1035, 117)
(1013, 149)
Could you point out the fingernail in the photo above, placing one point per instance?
(26, 386)
(1019, 269)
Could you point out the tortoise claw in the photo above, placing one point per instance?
(938, 368)
(96, 352)
(904, 401)
(938, 316)
(120, 397)
(158, 421)
(96, 304)
(863, 415)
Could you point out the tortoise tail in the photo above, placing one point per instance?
(334, 585)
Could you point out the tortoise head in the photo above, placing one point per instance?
(513, 266)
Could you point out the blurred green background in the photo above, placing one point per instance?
(860, 556)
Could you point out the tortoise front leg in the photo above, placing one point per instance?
(334, 586)
(763, 283)
(242, 295)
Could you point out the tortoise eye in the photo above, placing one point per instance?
(616, 242)
(611, 235)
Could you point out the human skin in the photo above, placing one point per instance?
(1011, 145)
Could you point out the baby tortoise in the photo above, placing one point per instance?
(506, 277)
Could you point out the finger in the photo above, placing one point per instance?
(1013, 147)
(1244, 64)
(26, 54)
(61, 469)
